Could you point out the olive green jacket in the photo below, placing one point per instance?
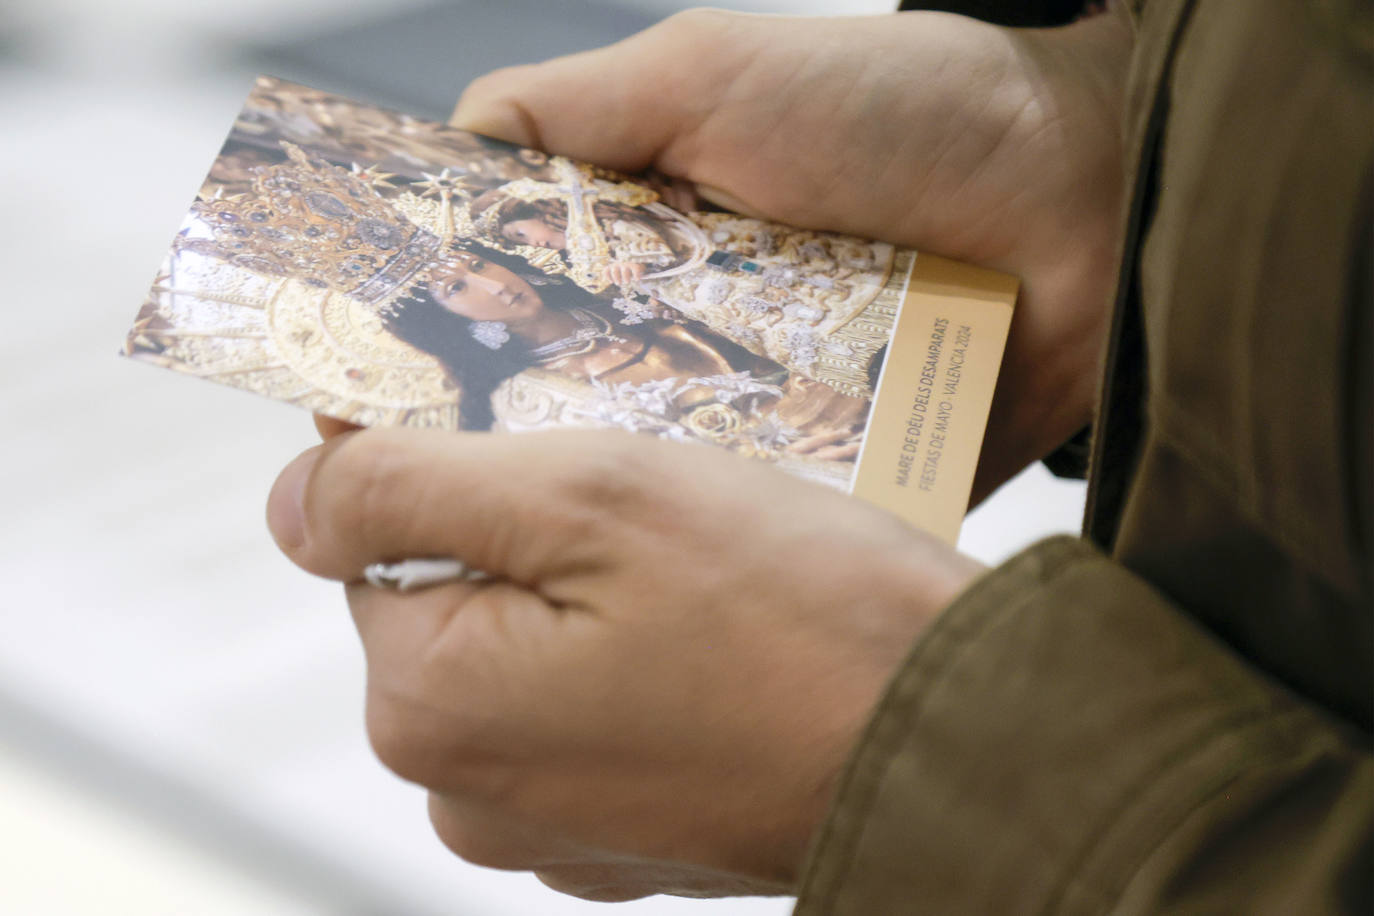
(1174, 713)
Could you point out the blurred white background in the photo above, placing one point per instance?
(180, 709)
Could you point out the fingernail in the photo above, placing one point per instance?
(286, 502)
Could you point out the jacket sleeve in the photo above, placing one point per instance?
(1064, 740)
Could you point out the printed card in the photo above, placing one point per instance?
(382, 269)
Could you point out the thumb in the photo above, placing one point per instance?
(497, 502)
(627, 106)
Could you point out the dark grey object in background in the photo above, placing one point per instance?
(419, 60)
(12, 38)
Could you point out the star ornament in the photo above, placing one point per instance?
(447, 183)
(373, 175)
(218, 194)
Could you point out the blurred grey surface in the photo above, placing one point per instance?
(414, 59)
(180, 709)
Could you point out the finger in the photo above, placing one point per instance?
(329, 427)
(597, 883)
(520, 507)
(680, 195)
(619, 878)
(627, 106)
(483, 836)
(465, 623)
(397, 628)
(727, 201)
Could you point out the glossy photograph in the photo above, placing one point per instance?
(382, 269)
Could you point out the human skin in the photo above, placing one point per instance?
(657, 691)
(643, 701)
(999, 147)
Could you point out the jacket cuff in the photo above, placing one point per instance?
(1043, 739)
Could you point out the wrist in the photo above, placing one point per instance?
(915, 582)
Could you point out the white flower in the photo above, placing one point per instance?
(733, 386)
(613, 415)
(740, 333)
(801, 312)
(801, 342)
(780, 276)
(609, 412)
(635, 312)
(655, 396)
(771, 434)
(652, 398)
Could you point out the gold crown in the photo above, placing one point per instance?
(323, 225)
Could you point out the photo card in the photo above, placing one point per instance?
(382, 269)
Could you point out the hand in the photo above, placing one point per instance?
(658, 690)
(623, 273)
(989, 145)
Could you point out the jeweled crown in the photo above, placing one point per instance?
(323, 225)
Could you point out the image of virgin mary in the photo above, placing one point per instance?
(820, 305)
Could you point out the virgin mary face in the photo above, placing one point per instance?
(478, 289)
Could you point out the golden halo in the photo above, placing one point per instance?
(342, 349)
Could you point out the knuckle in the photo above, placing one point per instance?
(439, 748)
(611, 476)
(473, 842)
(405, 745)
